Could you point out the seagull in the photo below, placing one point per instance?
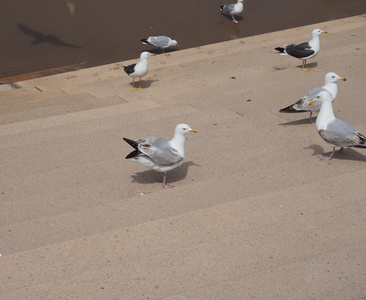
(233, 9)
(160, 42)
(302, 105)
(139, 69)
(305, 50)
(159, 154)
(334, 131)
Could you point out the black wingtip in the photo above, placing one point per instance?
(144, 41)
(132, 143)
(291, 109)
(280, 49)
(133, 154)
(221, 7)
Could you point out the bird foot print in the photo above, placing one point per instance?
(324, 158)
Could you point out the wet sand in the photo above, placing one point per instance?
(50, 37)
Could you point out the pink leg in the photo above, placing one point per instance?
(165, 185)
(235, 21)
(324, 158)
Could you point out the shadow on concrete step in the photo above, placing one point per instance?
(151, 176)
(346, 154)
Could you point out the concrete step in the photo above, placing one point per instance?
(56, 210)
(144, 258)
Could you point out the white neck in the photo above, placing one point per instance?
(177, 142)
(325, 115)
(314, 41)
(332, 88)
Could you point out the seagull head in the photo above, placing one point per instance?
(317, 32)
(174, 43)
(332, 77)
(146, 54)
(322, 97)
(183, 129)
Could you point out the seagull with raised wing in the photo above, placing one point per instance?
(160, 154)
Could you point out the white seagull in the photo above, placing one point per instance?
(302, 105)
(334, 131)
(305, 50)
(233, 9)
(162, 42)
(159, 154)
(138, 70)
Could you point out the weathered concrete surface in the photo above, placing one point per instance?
(254, 214)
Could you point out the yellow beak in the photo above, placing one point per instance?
(312, 102)
(193, 130)
(343, 78)
(325, 31)
(152, 54)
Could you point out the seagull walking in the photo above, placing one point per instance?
(302, 105)
(233, 9)
(138, 70)
(159, 154)
(162, 42)
(305, 50)
(334, 131)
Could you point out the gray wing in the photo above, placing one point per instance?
(303, 103)
(159, 150)
(340, 133)
(160, 41)
(299, 51)
(228, 8)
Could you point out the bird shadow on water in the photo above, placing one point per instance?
(346, 154)
(39, 38)
(237, 17)
(231, 28)
(151, 176)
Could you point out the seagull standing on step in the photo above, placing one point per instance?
(305, 50)
(334, 131)
(233, 9)
(162, 42)
(159, 154)
(138, 70)
(302, 105)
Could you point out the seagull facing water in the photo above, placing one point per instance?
(305, 50)
(302, 105)
(162, 42)
(138, 70)
(334, 131)
(233, 9)
(159, 154)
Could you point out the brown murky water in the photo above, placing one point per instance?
(58, 35)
